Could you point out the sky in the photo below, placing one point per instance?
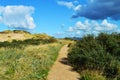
(61, 18)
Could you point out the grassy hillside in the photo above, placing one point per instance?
(16, 34)
(25, 56)
(9, 35)
(30, 63)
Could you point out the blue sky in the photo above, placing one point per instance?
(61, 18)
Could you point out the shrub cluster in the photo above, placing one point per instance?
(100, 53)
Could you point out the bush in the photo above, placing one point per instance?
(109, 42)
(118, 77)
(86, 77)
(111, 71)
(95, 53)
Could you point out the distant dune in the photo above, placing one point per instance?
(16, 34)
(9, 35)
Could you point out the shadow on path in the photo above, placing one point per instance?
(62, 70)
(64, 61)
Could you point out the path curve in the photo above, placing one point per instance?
(60, 69)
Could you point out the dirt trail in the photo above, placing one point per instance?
(61, 70)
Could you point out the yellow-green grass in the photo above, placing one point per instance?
(91, 75)
(30, 63)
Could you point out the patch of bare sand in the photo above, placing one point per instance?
(61, 70)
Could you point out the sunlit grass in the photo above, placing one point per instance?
(91, 75)
(30, 63)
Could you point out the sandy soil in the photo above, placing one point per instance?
(61, 70)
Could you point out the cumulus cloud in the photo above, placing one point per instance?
(100, 9)
(105, 26)
(18, 17)
(93, 27)
(70, 5)
(82, 26)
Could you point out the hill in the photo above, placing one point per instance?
(9, 35)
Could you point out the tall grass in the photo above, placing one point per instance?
(29, 63)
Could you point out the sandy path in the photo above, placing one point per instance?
(60, 69)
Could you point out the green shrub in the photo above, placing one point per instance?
(118, 77)
(111, 71)
(95, 53)
(86, 77)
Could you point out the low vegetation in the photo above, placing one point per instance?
(28, 59)
(30, 63)
(26, 42)
(97, 55)
(20, 35)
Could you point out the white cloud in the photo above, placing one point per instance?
(77, 8)
(108, 26)
(86, 26)
(70, 5)
(67, 4)
(17, 16)
(105, 26)
(93, 27)
(81, 26)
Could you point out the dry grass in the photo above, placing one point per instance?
(31, 63)
(12, 36)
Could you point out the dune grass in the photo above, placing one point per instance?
(29, 63)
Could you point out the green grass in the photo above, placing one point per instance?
(29, 63)
(91, 75)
